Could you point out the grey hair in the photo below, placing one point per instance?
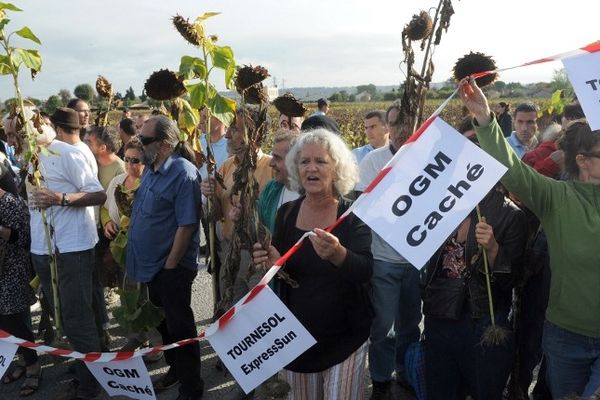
(551, 133)
(344, 163)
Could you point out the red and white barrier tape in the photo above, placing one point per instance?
(225, 318)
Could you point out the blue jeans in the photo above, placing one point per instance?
(573, 362)
(75, 271)
(397, 304)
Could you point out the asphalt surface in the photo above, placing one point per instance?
(218, 384)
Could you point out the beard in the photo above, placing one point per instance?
(150, 156)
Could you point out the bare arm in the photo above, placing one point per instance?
(183, 236)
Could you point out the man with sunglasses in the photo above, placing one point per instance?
(162, 247)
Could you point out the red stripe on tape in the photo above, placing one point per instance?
(378, 178)
(125, 355)
(91, 357)
(61, 352)
(253, 293)
(4, 334)
(592, 47)
(226, 317)
(413, 138)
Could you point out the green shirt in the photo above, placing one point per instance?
(569, 212)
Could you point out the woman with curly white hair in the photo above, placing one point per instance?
(332, 269)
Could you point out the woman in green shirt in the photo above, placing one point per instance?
(569, 212)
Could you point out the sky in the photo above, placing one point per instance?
(302, 43)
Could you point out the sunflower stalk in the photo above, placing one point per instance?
(416, 84)
(494, 335)
(14, 62)
(210, 204)
(194, 73)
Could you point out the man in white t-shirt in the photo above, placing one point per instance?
(396, 293)
(71, 189)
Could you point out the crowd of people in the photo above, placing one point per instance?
(522, 262)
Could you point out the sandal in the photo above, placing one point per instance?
(14, 374)
(32, 381)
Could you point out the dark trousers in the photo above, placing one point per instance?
(534, 301)
(172, 290)
(75, 271)
(19, 325)
(456, 364)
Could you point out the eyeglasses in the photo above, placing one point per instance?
(146, 140)
(594, 154)
(132, 160)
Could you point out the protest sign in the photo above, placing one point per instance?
(584, 75)
(435, 182)
(262, 338)
(7, 353)
(124, 378)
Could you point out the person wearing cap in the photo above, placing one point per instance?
(69, 192)
(322, 107)
(67, 123)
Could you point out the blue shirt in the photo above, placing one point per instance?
(517, 146)
(361, 152)
(219, 153)
(166, 199)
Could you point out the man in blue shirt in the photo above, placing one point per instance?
(377, 134)
(162, 246)
(523, 139)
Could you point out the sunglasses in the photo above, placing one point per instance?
(132, 160)
(594, 154)
(146, 140)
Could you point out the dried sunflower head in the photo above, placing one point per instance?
(419, 27)
(103, 86)
(288, 105)
(473, 63)
(187, 30)
(248, 76)
(164, 85)
(256, 94)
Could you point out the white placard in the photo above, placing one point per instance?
(124, 378)
(7, 353)
(260, 340)
(434, 184)
(584, 75)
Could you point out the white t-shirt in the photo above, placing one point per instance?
(369, 167)
(66, 171)
(89, 156)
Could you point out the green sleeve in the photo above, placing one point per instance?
(104, 216)
(539, 193)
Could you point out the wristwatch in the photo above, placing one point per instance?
(65, 200)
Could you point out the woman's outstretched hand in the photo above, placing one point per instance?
(475, 101)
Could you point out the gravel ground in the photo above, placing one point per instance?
(218, 385)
